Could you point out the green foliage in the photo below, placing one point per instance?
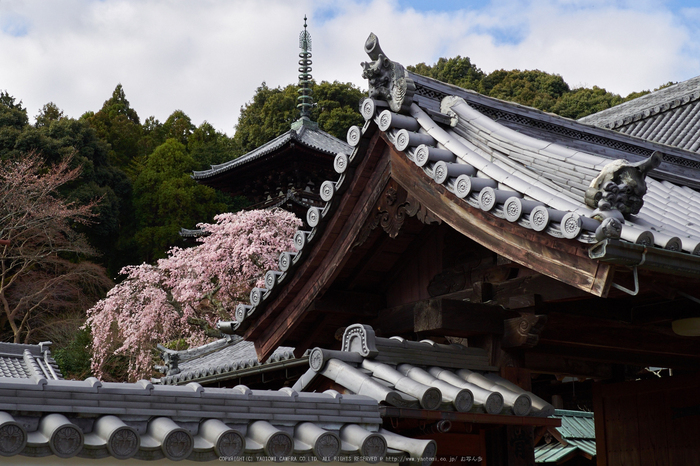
(118, 124)
(208, 146)
(13, 117)
(458, 71)
(48, 114)
(55, 137)
(534, 88)
(634, 95)
(664, 86)
(336, 107)
(584, 101)
(178, 126)
(269, 114)
(152, 136)
(73, 357)
(272, 111)
(167, 199)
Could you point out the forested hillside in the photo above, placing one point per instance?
(134, 176)
(533, 88)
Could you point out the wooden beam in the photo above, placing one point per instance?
(522, 290)
(456, 318)
(442, 317)
(612, 341)
(353, 303)
(394, 321)
(563, 260)
(476, 418)
(563, 365)
(332, 251)
(568, 329)
(619, 357)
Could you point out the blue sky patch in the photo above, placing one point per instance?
(441, 5)
(512, 35)
(14, 25)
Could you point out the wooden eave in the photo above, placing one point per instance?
(564, 260)
(287, 317)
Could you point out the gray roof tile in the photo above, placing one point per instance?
(312, 138)
(226, 357)
(24, 361)
(151, 422)
(423, 374)
(668, 116)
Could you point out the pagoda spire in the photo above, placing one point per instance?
(306, 101)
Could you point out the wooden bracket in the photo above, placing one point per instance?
(394, 205)
(523, 331)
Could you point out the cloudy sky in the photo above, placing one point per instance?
(207, 57)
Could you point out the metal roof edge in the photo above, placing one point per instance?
(651, 258)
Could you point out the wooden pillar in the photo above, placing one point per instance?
(521, 448)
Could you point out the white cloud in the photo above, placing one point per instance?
(207, 58)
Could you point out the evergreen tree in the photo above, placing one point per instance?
(118, 124)
(167, 199)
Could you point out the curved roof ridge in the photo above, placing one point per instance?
(522, 185)
(254, 154)
(549, 212)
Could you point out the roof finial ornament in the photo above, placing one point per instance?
(305, 99)
(388, 80)
(620, 186)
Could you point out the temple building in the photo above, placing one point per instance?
(467, 265)
(562, 249)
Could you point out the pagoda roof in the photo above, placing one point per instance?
(309, 137)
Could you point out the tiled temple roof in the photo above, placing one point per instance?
(24, 361)
(92, 419)
(420, 375)
(312, 138)
(539, 184)
(536, 183)
(668, 116)
(226, 358)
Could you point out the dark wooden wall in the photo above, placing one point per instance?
(654, 422)
(412, 284)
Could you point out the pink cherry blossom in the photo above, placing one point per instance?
(185, 294)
